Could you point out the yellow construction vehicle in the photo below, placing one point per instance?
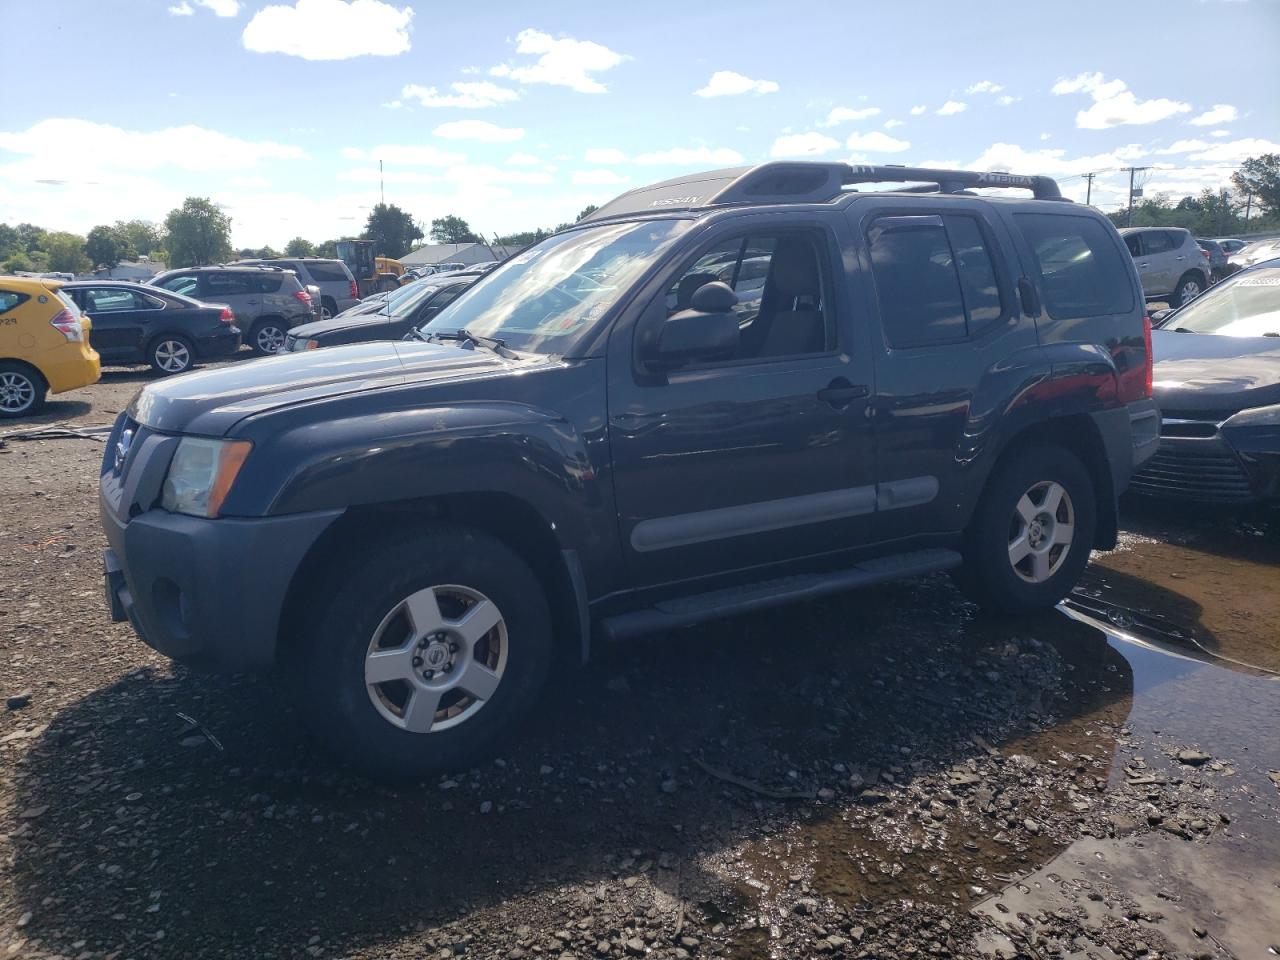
(373, 274)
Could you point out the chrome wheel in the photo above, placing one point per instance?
(325, 312)
(17, 392)
(1189, 291)
(436, 659)
(270, 338)
(1040, 531)
(172, 356)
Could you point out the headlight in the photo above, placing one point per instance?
(299, 345)
(1257, 417)
(201, 473)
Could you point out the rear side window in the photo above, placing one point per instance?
(269, 282)
(934, 277)
(325, 271)
(229, 284)
(184, 283)
(1082, 271)
(9, 300)
(1159, 241)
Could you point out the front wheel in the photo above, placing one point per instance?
(429, 650)
(267, 337)
(1031, 536)
(1189, 287)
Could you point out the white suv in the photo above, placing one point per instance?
(1170, 263)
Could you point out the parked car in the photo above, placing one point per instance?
(338, 288)
(1170, 263)
(266, 301)
(135, 323)
(419, 530)
(406, 309)
(1230, 245)
(1256, 252)
(1219, 266)
(44, 345)
(1217, 382)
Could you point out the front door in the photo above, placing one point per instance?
(765, 454)
(120, 318)
(1161, 256)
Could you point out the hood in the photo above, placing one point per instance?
(210, 402)
(1204, 373)
(343, 322)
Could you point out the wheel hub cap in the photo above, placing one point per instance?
(1040, 531)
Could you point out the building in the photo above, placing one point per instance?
(139, 271)
(465, 253)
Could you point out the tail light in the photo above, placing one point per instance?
(302, 297)
(226, 316)
(355, 291)
(1135, 382)
(68, 325)
(1205, 254)
(1151, 359)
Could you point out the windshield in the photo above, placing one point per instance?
(543, 299)
(1245, 306)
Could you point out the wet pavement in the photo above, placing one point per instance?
(884, 774)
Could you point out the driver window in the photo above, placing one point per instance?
(781, 281)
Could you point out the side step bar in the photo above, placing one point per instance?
(684, 611)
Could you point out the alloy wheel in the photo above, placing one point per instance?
(17, 392)
(1040, 531)
(270, 338)
(172, 356)
(436, 659)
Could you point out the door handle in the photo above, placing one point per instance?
(252, 302)
(1179, 258)
(1143, 266)
(840, 392)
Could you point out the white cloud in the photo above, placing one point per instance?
(250, 183)
(605, 155)
(890, 124)
(481, 130)
(522, 160)
(917, 110)
(182, 9)
(57, 145)
(1184, 146)
(876, 142)
(1218, 113)
(467, 94)
(845, 114)
(726, 83)
(1006, 100)
(330, 29)
(221, 8)
(951, 107)
(562, 62)
(691, 156)
(1219, 133)
(1046, 136)
(597, 178)
(1114, 104)
(407, 155)
(1236, 151)
(1011, 158)
(984, 86)
(803, 145)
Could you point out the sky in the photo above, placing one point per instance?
(517, 115)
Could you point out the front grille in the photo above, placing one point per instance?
(1194, 470)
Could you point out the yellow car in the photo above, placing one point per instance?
(44, 345)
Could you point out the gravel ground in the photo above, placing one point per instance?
(886, 774)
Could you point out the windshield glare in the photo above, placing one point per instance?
(1247, 306)
(404, 301)
(545, 298)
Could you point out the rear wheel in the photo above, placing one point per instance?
(22, 391)
(328, 308)
(1189, 287)
(426, 652)
(1032, 533)
(267, 337)
(171, 353)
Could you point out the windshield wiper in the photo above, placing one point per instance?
(417, 334)
(491, 343)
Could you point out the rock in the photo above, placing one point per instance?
(1193, 758)
(24, 919)
(635, 946)
(486, 806)
(805, 907)
(18, 700)
(618, 684)
(857, 933)
(826, 793)
(32, 812)
(669, 785)
(1033, 828)
(856, 782)
(603, 948)
(546, 769)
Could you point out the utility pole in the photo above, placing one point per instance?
(1248, 205)
(1088, 192)
(382, 186)
(1132, 170)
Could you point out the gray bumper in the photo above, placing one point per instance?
(1131, 435)
(206, 592)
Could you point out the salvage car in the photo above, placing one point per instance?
(1217, 382)
(44, 345)
(402, 312)
(417, 533)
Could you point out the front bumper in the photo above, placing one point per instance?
(1209, 463)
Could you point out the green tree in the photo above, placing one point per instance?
(31, 237)
(10, 243)
(1260, 176)
(587, 211)
(143, 236)
(197, 233)
(66, 253)
(392, 230)
(299, 247)
(106, 247)
(18, 262)
(451, 229)
(328, 249)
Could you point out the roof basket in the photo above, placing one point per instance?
(807, 182)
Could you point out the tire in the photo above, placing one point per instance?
(22, 390)
(1004, 526)
(328, 308)
(1190, 285)
(366, 613)
(171, 353)
(267, 337)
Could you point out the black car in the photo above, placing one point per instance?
(391, 319)
(1217, 382)
(135, 323)
(601, 440)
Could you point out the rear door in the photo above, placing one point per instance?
(121, 319)
(1160, 252)
(942, 296)
(235, 288)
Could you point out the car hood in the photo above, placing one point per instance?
(345, 321)
(1203, 373)
(210, 402)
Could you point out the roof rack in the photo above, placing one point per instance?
(807, 182)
